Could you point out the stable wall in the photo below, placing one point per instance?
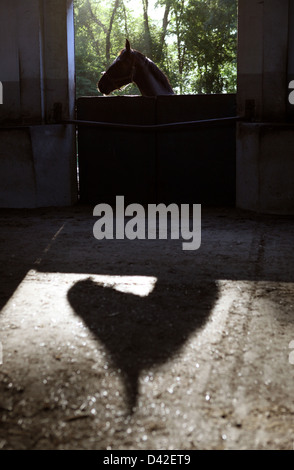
(37, 156)
(265, 167)
(190, 165)
(265, 151)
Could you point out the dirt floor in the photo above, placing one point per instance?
(121, 344)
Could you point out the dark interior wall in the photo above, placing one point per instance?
(191, 165)
(37, 155)
(265, 154)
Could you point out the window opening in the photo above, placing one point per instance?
(194, 42)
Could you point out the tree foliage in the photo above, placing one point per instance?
(194, 42)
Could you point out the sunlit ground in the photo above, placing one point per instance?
(151, 347)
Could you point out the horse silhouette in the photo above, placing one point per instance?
(132, 66)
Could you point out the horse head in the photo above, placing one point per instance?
(132, 66)
(120, 73)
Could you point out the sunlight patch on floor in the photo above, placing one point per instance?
(141, 286)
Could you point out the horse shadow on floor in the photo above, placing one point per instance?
(142, 332)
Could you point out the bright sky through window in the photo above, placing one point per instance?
(155, 12)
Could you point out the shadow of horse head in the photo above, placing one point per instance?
(141, 332)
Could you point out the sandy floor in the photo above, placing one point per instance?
(141, 345)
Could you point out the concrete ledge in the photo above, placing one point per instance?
(265, 167)
(38, 167)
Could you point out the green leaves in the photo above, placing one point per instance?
(193, 41)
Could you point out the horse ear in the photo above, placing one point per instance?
(128, 45)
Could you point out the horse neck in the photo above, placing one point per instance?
(146, 81)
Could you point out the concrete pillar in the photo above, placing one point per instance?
(37, 155)
(265, 153)
(59, 60)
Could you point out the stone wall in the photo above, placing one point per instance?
(37, 156)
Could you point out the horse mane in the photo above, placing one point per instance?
(159, 75)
